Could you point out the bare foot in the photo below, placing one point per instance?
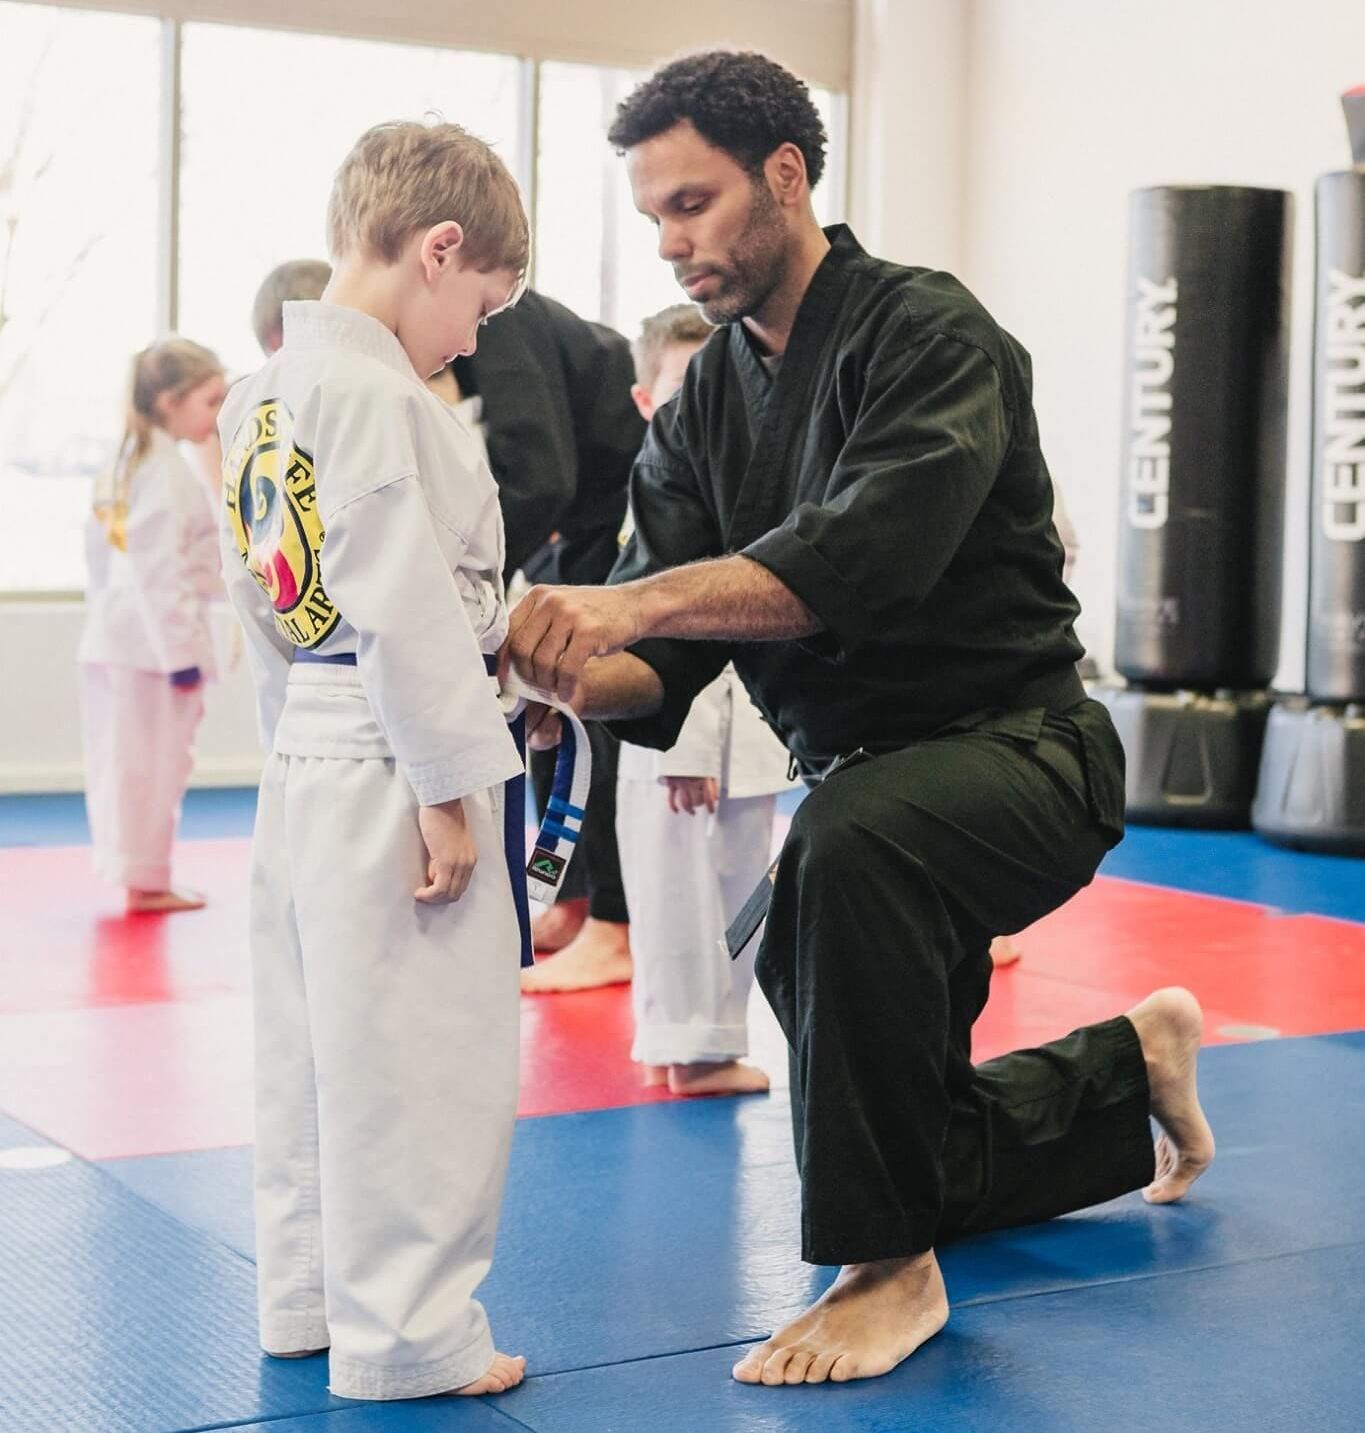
(503, 1373)
(598, 955)
(724, 1077)
(143, 902)
(1169, 1024)
(869, 1319)
(1004, 952)
(655, 1075)
(553, 929)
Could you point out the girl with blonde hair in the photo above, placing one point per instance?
(152, 554)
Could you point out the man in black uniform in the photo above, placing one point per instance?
(848, 499)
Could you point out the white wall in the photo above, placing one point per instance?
(1072, 104)
(40, 741)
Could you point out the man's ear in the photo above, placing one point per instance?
(643, 402)
(441, 247)
(785, 170)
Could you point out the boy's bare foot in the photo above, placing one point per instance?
(553, 929)
(1004, 952)
(870, 1318)
(655, 1075)
(598, 955)
(503, 1373)
(724, 1077)
(1169, 1024)
(143, 902)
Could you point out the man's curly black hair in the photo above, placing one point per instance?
(738, 101)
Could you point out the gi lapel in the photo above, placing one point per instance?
(779, 409)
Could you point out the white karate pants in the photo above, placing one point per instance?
(138, 733)
(386, 1059)
(686, 877)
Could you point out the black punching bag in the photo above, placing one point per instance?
(1336, 621)
(1205, 401)
(1311, 790)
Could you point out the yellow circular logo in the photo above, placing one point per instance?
(271, 498)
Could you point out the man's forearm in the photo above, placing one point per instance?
(727, 599)
(618, 688)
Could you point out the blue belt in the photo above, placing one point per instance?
(558, 831)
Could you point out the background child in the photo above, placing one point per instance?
(152, 553)
(384, 933)
(694, 827)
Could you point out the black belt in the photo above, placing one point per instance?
(1056, 691)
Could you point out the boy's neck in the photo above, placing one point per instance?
(367, 288)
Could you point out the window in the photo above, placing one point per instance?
(268, 116)
(87, 226)
(79, 98)
(594, 252)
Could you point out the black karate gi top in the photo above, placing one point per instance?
(890, 475)
(562, 432)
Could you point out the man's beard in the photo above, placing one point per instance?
(755, 263)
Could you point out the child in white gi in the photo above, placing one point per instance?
(694, 826)
(147, 647)
(363, 551)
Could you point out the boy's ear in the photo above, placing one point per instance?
(643, 402)
(441, 246)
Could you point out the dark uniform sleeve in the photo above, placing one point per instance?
(527, 428)
(930, 436)
(607, 432)
(673, 526)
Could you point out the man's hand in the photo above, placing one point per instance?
(556, 631)
(692, 793)
(451, 853)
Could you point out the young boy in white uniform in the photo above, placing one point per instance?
(384, 933)
(694, 825)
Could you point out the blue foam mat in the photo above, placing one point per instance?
(668, 1227)
(117, 1318)
(1241, 867)
(1271, 1345)
(58, 818)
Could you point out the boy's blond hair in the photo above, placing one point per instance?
(405, 177)
(682, 323)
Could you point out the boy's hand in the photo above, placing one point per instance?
(451, 853)
(691, 793)
(544, 726)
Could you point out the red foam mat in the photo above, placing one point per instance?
(128, 1036)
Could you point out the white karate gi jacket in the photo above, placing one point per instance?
(350, 488)
(723, 737)
(147, 603)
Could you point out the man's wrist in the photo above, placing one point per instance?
(654, 605)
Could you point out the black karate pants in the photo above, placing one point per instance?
(595, 871)
(897, 873)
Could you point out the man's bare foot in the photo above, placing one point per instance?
(1004, 952)
(143, 902)
(655, 1075)
(598, 955)
(553, 929)
(870, 1318)
(723, 1077)
(503, 1373)
(1169, 1025)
